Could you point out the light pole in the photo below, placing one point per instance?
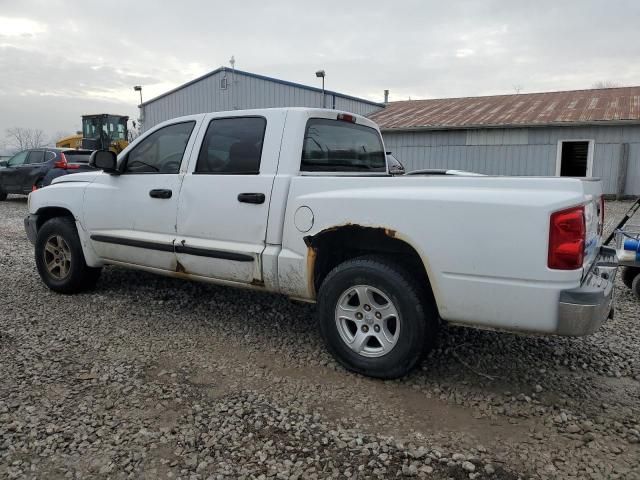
(138, 88)
(320, 74)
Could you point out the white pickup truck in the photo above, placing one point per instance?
(300, 202)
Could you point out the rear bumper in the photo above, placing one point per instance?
(584, 309)
(31, 227)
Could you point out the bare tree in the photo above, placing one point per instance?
(606, 84)
(23, 138)
(517, 88)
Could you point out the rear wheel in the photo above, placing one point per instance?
(375, 318)
(3, 195)
(60, 260)
(629, 274)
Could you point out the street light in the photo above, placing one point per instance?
(138, 88)
(320, 74)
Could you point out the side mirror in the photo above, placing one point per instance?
(395, 166)
(104, 160)
(396, 169)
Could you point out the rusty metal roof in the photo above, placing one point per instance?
(620, 105)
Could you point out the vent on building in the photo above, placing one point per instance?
(223, 83)
(574, 159)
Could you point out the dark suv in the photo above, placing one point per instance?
(37, 167)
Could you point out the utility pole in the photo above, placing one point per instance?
(321, 74)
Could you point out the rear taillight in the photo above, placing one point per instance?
(64, 165)
(566, 239)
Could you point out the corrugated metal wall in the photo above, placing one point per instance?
(206, 95)
(518, 151)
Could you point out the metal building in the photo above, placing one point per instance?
(574, 133)
(577, 133)
(230, 89)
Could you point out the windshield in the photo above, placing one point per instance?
(111, 126)
(77, 156)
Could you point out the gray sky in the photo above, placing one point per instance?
(59, 60)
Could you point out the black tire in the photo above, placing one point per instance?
(78, 276)
(3, 195)
(629, 274)
(635, 286)
(417, 322)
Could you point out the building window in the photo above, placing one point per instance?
(574, 158)
(223, 83)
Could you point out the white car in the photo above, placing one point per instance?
(300, 201)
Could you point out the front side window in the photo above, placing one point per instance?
(17, 159)
(89, 127)
(340, 146)
(160, 152)
(232, 146)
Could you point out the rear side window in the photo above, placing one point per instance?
(232, 146)
(162, 151)
(36, 156)
(339, 146)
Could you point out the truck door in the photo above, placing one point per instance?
(131, 217)
(224, 201)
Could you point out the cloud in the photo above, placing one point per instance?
(20, 27)
(90, 57)
(464, 52)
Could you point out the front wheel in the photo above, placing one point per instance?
(375, 318)
(60, 260)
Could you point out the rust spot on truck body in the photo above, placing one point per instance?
(312, 254)
(336, 244)
(354, 234)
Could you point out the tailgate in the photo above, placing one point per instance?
(594, 218)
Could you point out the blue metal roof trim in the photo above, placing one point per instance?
(261, 77)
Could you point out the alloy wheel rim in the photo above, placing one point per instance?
(57, 257)
(367, 320)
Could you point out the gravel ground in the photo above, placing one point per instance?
(149, 377)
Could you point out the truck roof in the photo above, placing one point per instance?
(308, 112)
